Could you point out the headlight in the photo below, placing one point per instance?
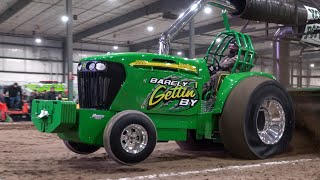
(79, 67)
(101, 67)
(91, 66)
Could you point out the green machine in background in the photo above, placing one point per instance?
(130, 101)
(45, 86)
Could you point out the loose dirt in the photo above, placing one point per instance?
(26, 153)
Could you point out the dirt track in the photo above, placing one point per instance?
(28, 154)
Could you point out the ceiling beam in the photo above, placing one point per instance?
(12, 10)
(235, 22)
(160, 6)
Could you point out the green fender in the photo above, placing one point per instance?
(229, 83)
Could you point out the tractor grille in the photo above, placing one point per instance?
(98, 89)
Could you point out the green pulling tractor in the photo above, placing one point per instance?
(130, 101)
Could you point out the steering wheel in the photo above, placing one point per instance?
(214, 61)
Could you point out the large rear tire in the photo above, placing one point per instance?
(80, 148)
(258, 119)
(130, 137)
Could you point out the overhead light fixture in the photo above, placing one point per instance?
(312, 65)
(150, 28)
(64, 18)
(218, 40)
(179, 53)
(38, 40)
(115, 47)
(207, 10)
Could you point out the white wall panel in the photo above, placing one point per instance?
(13, 65)
(29, 41)
(30, 52)
(25, 78)
(12, 51)
(98, 47)
(315, 72)
(46, 67)
(77, 55)
(27, 48)
(43, 53)
(75, 65)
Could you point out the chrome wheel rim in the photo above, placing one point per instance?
(134, 138)
(270, 121)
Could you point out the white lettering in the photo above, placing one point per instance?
(167, 82)
(174, 83)
(160, 81)
(184, 102)
(184, 83)
(153, 80)
(193, 102)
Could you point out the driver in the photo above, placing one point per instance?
(224, 67)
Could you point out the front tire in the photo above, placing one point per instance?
(130, 137)
(80, 148)
(258, 119)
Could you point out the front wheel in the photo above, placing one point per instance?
(130, 137)
(258, 119)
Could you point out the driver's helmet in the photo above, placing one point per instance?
(233, 46)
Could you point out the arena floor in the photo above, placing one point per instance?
(28, 154)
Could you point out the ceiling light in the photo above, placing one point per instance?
(179, 53)
(150, 28)
(218, 40)
(207, 10)
(115, 47)
(38, 40)
(64, 18)
(312, 65)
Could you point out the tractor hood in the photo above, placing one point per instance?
(148, 61)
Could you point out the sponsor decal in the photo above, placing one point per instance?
(313, 13)
(97, 116)
(312, 34)
(172, 94)
(312, 30)
(180, 66)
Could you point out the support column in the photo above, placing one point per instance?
(69, 49)
(192, 48)
(291, 73)
(308, 79)
(64, 62)
(281, 54)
